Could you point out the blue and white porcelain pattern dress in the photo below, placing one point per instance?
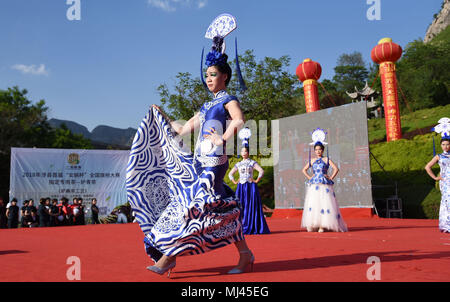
(321, 209)
(252, 215)
(180, 200)
(444, 186)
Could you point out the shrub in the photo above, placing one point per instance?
(404, 161)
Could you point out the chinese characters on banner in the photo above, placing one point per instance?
(311, 95)
(56, 173)
(390, 97)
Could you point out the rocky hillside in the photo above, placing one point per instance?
(440, 22)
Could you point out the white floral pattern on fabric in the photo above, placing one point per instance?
(180, 207)
(171, 219)
(157, 193)
(444, 186)
(245, 168)
(221, 26)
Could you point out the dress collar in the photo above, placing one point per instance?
(220, 94)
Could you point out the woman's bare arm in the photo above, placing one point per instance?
(230, 175)
(237, 119)
(335, 169)
(305, 171)
(187, 128)
(430, 164)
(260, 172)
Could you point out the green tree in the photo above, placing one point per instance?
(350, 72)
(423, 73)
(272, 91)
(188, 97)
(352, 59)
(63, 138)
(329, 95)
(24, 124)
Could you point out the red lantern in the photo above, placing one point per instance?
(309, 70)
(386, 53)
(309, 73)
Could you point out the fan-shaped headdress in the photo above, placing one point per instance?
(443, 128)
(221, 26)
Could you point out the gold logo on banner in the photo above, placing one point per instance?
(73, 159)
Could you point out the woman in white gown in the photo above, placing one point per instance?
(321, 210)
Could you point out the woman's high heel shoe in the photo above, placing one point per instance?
(162, 271)
(240, 271)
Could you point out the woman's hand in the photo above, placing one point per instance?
(235, 182)
(438, 178)
(162, 112)
(214, 137)
(157, 108)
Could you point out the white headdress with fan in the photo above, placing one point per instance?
(318, 135)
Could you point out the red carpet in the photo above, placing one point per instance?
(409, 250)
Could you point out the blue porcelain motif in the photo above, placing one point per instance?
(320, 169)
(444, 186)
(180, 200)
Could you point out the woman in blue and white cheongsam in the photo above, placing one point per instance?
(443, 160)
(180, 200)
(321, 210)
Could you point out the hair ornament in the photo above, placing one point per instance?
(443, 128)
(219, 28)
(318, 135)
(244, 135)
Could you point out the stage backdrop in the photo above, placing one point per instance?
(39, 173)
(347, 139)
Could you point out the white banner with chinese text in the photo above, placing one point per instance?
(55, 173)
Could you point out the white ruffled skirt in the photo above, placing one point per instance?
(321, 209)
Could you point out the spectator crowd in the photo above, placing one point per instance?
(49, 213)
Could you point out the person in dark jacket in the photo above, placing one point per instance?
(3, 217)
(95, 211)
(13, 215)
(32, 220)
(54, 213)
(23, 209)
(43, 213)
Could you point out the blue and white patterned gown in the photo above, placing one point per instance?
(444, 186)
(180, 200)
(321, 209)
(253, 220)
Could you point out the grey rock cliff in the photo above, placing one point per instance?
(441, 21)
